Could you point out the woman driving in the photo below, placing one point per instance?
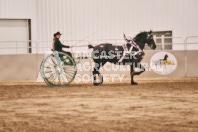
(57, 45)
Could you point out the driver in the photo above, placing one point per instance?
(57, 45)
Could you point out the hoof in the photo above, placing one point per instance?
(134, 83)
(97, 84)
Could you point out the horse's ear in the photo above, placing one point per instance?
(124, 37)
(149, 34)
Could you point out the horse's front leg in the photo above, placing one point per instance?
(136, 73)
(132, 74)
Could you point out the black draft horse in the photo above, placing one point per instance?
(107, 52)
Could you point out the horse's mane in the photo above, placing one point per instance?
(139, 36)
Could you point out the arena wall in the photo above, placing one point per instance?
(191, 63)
(77, 19)
(26, 66)
(20, 66)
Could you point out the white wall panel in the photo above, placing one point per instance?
(77, 19)
(80, 18)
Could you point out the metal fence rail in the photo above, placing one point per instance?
(40, 47)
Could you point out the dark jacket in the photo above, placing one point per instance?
(58, 46)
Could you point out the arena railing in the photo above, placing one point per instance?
(176, 42)
(191, 43)
(17, 47)
(40, 47)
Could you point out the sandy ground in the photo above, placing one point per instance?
(154, 105)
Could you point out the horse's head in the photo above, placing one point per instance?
(150, 41)
(165, 57)
(145, 38)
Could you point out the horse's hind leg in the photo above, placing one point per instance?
(136, 73)
(95, 72)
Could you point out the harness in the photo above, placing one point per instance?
(126, 51)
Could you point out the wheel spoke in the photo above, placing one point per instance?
(53, 61)
(70, 69)
(49, 64)
(51, 77)
(63, 78)
(69, 75)
(48, 71)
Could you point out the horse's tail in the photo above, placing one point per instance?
(90, 46)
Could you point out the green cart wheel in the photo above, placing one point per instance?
(58, 69)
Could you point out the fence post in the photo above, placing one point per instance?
(16, 47)
(163, 47)
(185, 49)
(37, 71)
